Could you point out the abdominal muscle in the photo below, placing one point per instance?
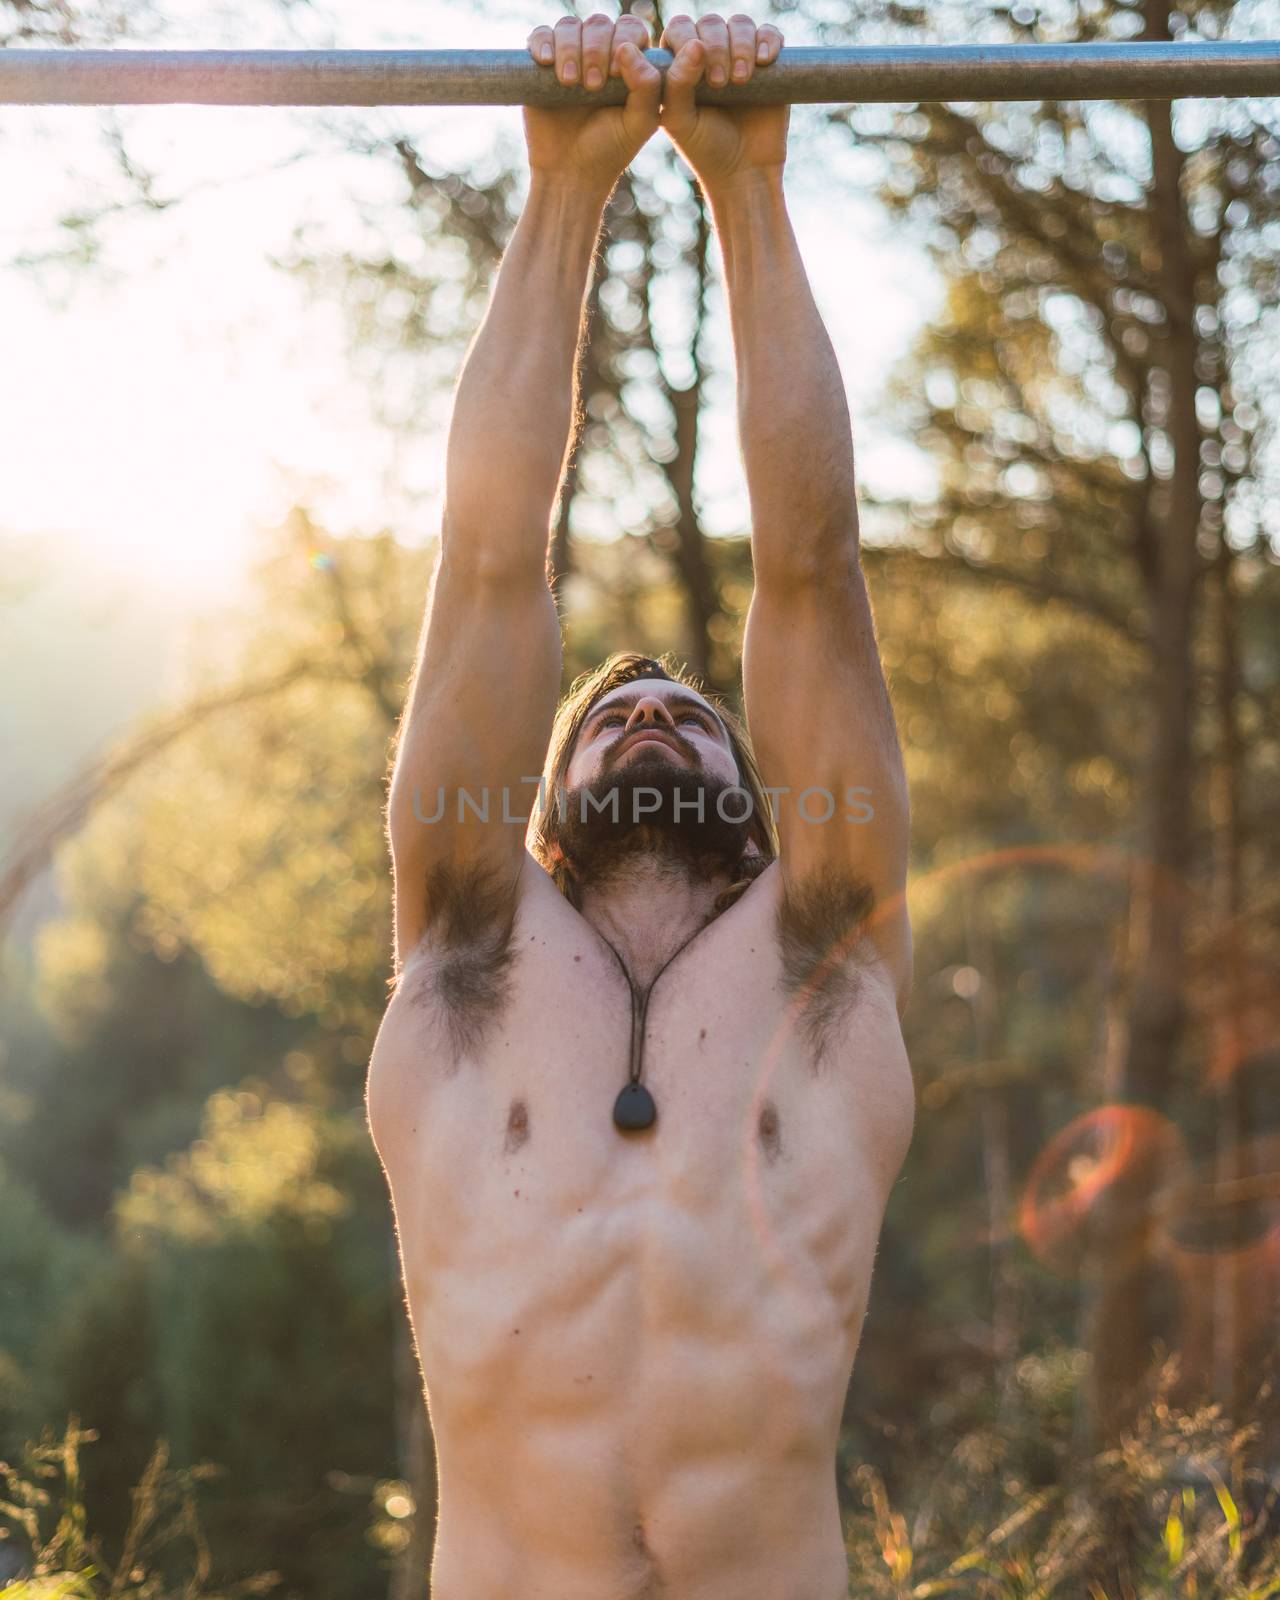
(615, 1446)
(636, 1348)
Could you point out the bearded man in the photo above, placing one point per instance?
(641, 1091)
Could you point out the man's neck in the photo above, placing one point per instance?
(647, 910)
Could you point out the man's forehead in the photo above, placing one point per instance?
(628, 693)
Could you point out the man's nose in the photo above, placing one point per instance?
(650, 711)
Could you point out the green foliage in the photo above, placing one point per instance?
(164, 1555)
(263, 825)
(1154, 1518)
(40, 1264)
(245, 1315)
(251, 1164)
(77, 1129)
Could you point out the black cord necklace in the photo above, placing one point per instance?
(635, 1108)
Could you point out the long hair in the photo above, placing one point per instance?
(545, 827)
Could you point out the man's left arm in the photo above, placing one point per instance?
(816, 700)
(817, 704)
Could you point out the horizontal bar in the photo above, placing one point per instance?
(801, 74)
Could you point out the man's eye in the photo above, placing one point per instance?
(609, 718)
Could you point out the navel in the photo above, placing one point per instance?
(652, 1585)
(517, 1127)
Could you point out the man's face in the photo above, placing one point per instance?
(664, 725)
(648, 775)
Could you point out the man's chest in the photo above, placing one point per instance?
(715, 1039)
(515, 1143)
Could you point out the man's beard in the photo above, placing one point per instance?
(610, 825)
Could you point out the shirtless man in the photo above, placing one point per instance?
(641, 1092)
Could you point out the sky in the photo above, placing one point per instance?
(158, 410)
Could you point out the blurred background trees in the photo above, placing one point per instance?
(1079, 625)
(1096, 394)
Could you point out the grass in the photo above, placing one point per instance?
(1183, 1508)
(164, 1555)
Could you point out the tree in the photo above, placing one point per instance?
(1094, 400)
(644, 376)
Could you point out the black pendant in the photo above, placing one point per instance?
(634, 1109)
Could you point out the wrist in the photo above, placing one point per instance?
(570, 191)
(750, 188)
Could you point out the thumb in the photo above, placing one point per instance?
(679, 113)
(644, 90)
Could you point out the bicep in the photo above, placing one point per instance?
(475, 727)
(824, 735)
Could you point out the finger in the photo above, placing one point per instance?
(742, 47)
(678, 33)
(714, 33)
(568, 37)
(542, 46)
(683, 76)
(644, 92)
(768, 43)
(629, 30)
(597, 47)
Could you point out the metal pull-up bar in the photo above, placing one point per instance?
(801, 74)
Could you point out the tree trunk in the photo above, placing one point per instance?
(701, 602)
(587, 380)
(1238, 1223)
(1127, 1290)
(1157, 1008)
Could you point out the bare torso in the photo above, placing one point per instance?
(636, 1346)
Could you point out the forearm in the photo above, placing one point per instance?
(793, 417)
(515, 399)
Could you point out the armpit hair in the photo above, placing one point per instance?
(821, 941)
(464, 970)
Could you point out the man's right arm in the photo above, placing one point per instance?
(484, 690)
(483, 696)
